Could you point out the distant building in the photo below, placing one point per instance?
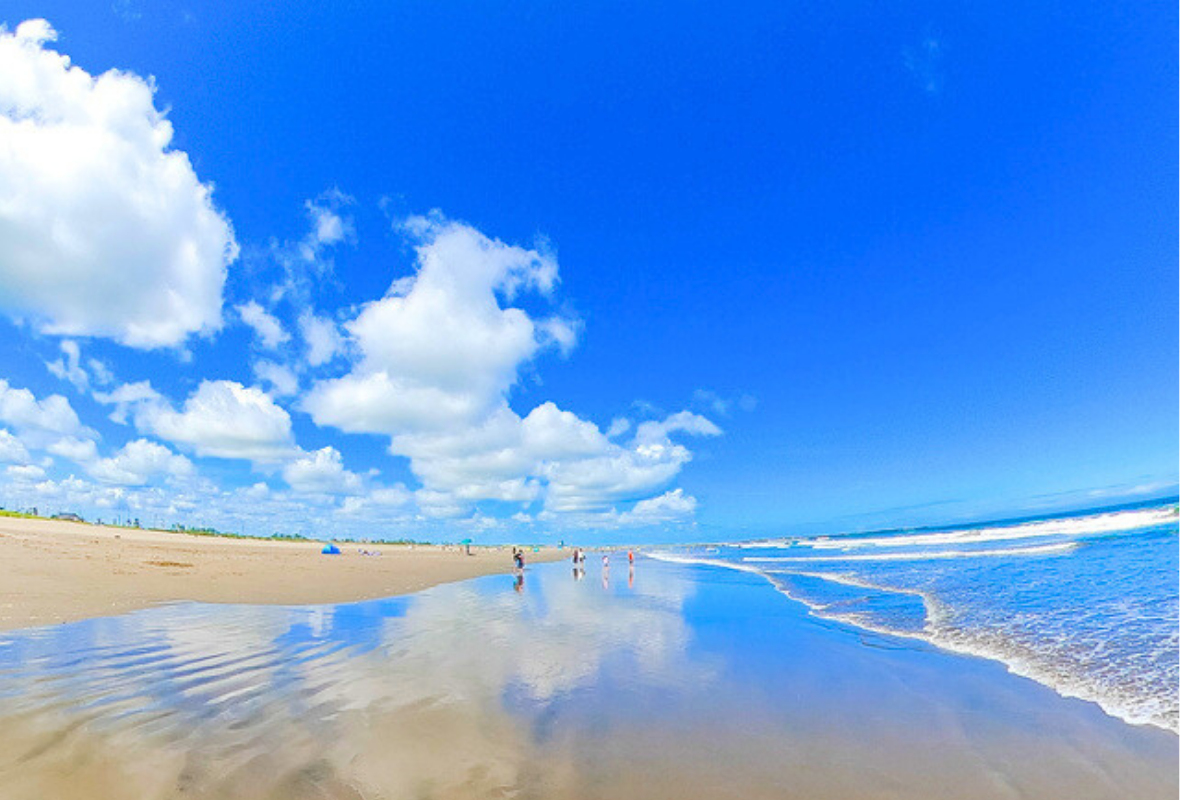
(68, 516)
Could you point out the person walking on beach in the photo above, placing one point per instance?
(630, 557)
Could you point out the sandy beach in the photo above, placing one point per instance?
(661, 681)
(53, 572)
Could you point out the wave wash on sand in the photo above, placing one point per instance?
(1087, 606)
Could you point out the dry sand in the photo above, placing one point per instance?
(53, 572)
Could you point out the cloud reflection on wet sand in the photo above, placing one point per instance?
(693, 683)
(394, 698)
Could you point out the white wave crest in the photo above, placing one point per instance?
(672, 558)
(1073, 526)
(929, 555)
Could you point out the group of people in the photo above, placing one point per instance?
(580, 558)
(579, 561)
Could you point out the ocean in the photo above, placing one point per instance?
(1087, 605)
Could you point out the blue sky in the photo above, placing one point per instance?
(636, 271)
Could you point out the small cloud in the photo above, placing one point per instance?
(282, 380)
(126, 10)
(69, 367)
(644, 408)
(100, 372)
(618, 426)
(329, 225)
(322, 338)
(267, 329)
(924, 62)
(724, 406)
(25, 473)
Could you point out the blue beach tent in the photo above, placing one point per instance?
(331, 550)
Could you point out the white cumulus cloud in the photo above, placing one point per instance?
(223, 419)
(438, 358)
(440, 350)
(25, 473)
(38, 419)
(321, 472)
(138, 462)
(668, 507)
(104, 229)
(377, 501)
(12, 450)
(80, 451)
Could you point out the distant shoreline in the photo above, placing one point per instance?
(184, 531)
(54, 571)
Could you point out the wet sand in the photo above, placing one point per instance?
(661, 682)
(53, 572)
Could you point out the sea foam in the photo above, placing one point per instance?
(1093, 616)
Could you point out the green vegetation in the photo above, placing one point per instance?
(208, 531)
(19, 514)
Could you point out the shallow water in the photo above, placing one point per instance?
(1087, 605)
(671, 681)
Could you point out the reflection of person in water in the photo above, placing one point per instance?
(631, 577)
(579, 573)
(518, 585)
